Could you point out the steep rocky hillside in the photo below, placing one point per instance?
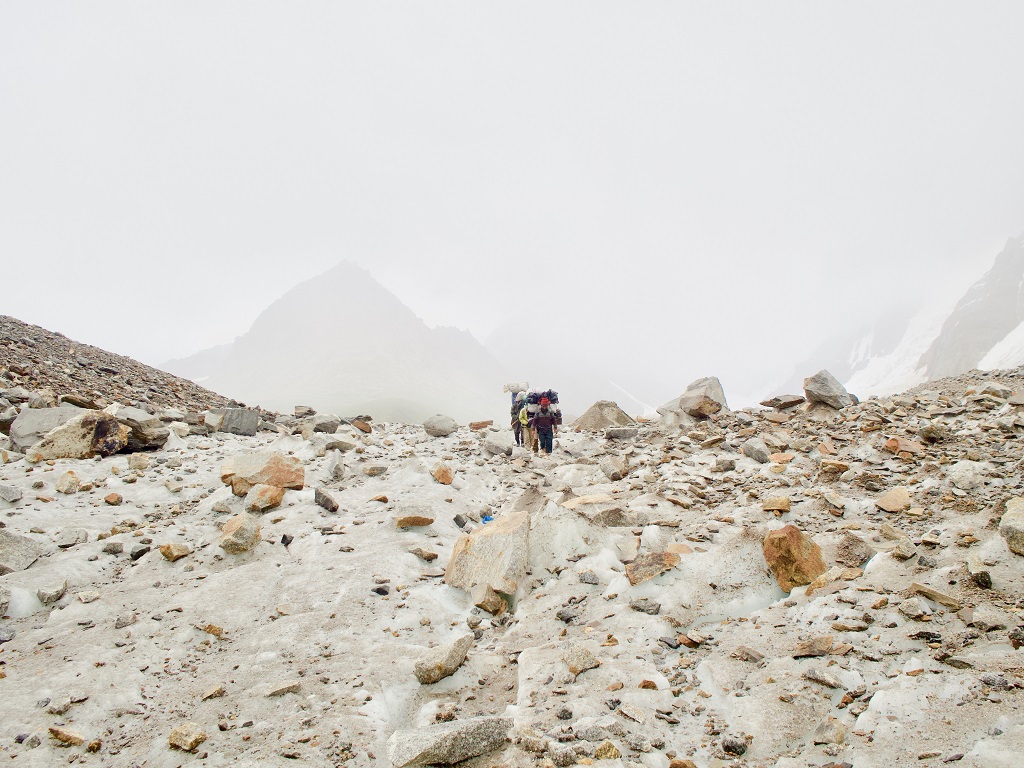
(36, 359)
(789, 586)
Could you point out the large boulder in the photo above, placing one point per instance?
(238, 421)
(245, 470)
(148, 433)
(602, 415)
(91, 433)
(825, 388)
(793, 557)
(494, 555)
(32, 424)
(703, 398)
(497, 443)
(440, 426)
(17, 552)
(448, 743)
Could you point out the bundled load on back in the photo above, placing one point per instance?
(534, 398)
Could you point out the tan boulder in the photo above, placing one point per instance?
(186, 737)
(175, 552)
(240, 534)
(493, 555)
(246, 470)
(263, 497)
(793, 557)
(443, 474)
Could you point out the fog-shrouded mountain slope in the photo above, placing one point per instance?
(904, 347)
(991, 309)
(341, 342)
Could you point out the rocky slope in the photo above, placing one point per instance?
(67, 371)
(632, 591)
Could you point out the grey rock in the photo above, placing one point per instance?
(825, 388)
(1011, 526)
(645, 605)
(621, 433)
(72, 538)
(17, 552)
(327, 423)
(325, 500)
(614, 467)
(967, 475)
(5, 600)
(578, 657)
(441, 662)
(589, 577)
(703, 398)
(820, 676)
(148, 433)
(50, 594)
(238, 421)
(113, 547)
(33, 423)
(755, 449)
(448, 743)
(499, 443)
(830, 731)
(10, 493)
(440, 426)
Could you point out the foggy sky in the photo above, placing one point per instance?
(717, 184)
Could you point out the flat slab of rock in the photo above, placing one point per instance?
(246, 470)
(649, 565)
(10, 493)
(325, 500)
(793, 557)
(238, 421)
(17, 552)
(33, 423)
(894, 500)
(448, 743)
(441, 662)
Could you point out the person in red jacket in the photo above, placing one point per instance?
(545, 422)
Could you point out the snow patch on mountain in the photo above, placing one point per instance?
(1007, 353)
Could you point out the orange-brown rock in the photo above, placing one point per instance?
(443, 474)
(793, 557)
(650, 565)
(263, 497)
(246, 470)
